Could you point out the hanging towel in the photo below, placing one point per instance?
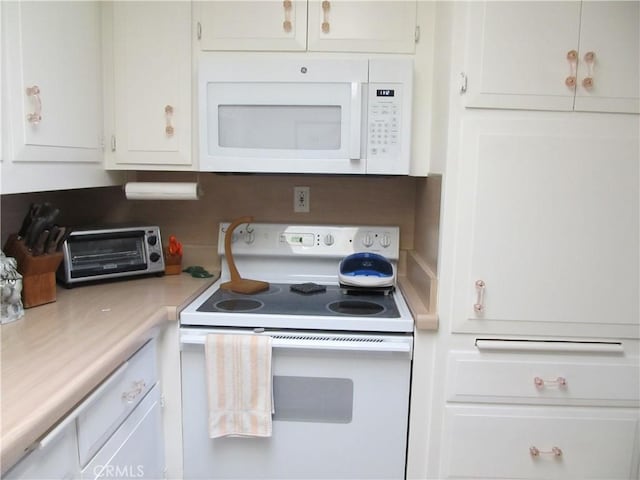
(239, 385)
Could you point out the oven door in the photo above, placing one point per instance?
(341, 410)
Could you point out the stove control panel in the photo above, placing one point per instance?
(271, 239)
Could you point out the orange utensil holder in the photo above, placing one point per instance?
(38, 273)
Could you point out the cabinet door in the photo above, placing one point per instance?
(252, 25)
(517, 54)
(53, 96)
(611, 31)
(135, 450)
(548, 221)
(55, 458)
(357, 26)
(151, 64)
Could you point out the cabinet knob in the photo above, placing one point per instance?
(36, 116)
(587, 83)
(570, 81)
(572, 55)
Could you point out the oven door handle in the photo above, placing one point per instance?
(321, 344)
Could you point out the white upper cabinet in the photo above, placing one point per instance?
(252, 25)
(298, 25)
(53, 94)
(148, 61)
(357, 26)
(554, 56)
(548, 226)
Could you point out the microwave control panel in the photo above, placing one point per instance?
(385, 113)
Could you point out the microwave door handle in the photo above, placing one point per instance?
(356, 121)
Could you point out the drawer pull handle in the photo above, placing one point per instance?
(168, 115)
(555, 451)
(286, 24)
(559, 382)
(138, 387)
(478, 307)
(35, 117)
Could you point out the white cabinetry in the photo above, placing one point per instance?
(148, 82)
(55, 457)
(52, 99)
(582, 56)
(548, 225)
(116, 432)
(329, 26)
(544, 413)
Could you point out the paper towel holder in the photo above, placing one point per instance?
(162, 190)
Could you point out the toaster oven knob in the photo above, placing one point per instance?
(152, 240)
(154, 257)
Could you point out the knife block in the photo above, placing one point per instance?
(38, 273)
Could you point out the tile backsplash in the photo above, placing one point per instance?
(269, 198)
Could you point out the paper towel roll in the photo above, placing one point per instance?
(161, 191)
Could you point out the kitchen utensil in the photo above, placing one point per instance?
(54, 241)
(38, 247)
(32, 213)
(237, 283)
(44, 220)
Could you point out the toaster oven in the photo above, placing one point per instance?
(111, 253)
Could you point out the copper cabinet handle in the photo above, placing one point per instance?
(287, 5)
(589, 59)
(478, 307)
(536, 452)
(326, 6)
(36, 116)
(168, 114)
(560, 382)
(572, 58)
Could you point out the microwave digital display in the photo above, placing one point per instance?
(385, 93)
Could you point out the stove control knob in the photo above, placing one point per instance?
(249, 237)
(367, 240)
(154, 257)
(385, 240)
(329, 240)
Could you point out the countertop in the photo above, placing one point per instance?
(58, 353)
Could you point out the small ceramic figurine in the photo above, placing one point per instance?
(10, 290)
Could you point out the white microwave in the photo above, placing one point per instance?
(304, 114)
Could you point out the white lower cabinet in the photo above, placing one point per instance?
(55, 457)
(540, 409)
(135, 449)
(540, 442)
(116, 432)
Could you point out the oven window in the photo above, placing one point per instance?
(313, 399)
(282, 127)
(94, 255)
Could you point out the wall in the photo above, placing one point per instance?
(269, 198)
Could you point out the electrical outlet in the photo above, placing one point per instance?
(301, 199)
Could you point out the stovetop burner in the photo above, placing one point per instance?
(280, 300)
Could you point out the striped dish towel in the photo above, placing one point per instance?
(239, 385)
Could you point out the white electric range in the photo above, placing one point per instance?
(341, 359)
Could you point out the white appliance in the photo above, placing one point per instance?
(305, 114)
(341, 363)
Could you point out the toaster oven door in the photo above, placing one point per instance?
(106, 254)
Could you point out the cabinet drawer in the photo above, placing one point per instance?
(475, 377)
(499, 442)
(124, 390)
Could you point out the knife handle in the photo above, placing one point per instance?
(38, 248)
